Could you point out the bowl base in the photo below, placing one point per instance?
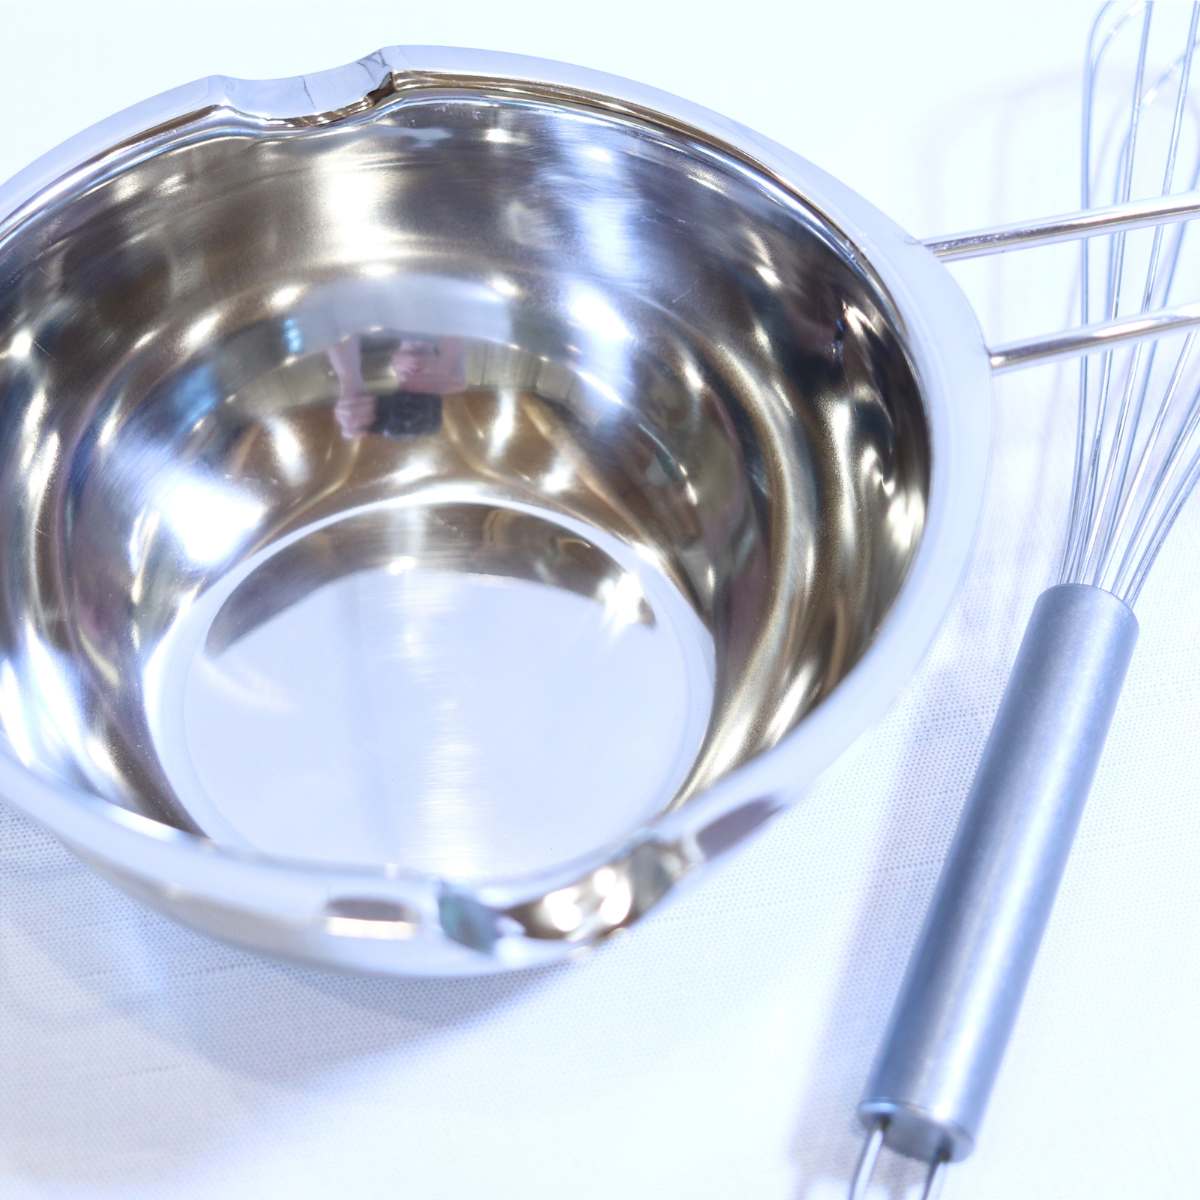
(420, 683)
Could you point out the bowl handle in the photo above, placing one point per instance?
(1086, 339)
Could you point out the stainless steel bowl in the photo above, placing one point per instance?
(448, 499)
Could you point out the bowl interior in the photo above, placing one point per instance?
(455, 486)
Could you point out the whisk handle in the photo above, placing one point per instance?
(967, 975)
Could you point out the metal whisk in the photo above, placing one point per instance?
(1137, 459)
(1119, 520)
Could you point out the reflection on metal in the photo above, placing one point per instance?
(461, 520)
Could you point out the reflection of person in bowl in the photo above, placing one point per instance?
(425, 370)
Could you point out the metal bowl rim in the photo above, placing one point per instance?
(944, 343)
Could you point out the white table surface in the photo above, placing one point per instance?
(719, 1050)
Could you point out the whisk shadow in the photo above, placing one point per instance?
(117, 991)
(911, 844)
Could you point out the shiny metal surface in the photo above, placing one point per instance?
(1137, 460)
(446, 486)
(1100, 338)
(1093, 337)
(1068, 227)
(968, 973)
(657, 499)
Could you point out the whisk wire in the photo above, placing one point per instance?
(1130, 491)
(1083, 481)
(1131, 474)
(1147, 455)
(1115, 278)
(868, 1157)
(1130, 414)
(1168, 512)
(1085, 191)
(1079, 499)
(935, 1178)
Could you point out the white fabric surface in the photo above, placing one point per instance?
(717, 1051)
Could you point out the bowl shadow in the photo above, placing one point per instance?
(97, 992)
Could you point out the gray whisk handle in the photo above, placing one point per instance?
(967, 975)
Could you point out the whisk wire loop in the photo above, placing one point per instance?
(1135, 461)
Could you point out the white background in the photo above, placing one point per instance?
(718, 1050)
